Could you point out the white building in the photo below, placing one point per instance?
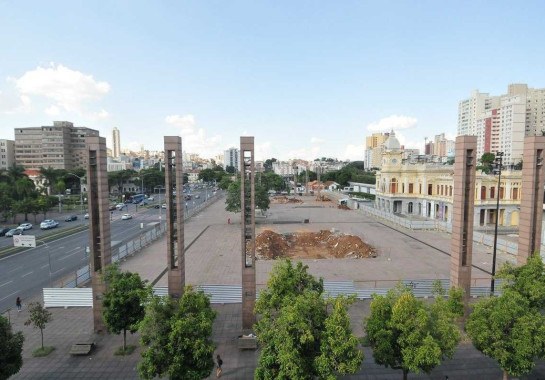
(116, 139)
(7, 153)
(231, 158)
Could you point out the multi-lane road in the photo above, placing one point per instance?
(24, 274)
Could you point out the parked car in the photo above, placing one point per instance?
(157, 206)
(25, 226)
(164, 205)
(126, 217)
(48, 224)
(71, 218)
(112, 207)
(86, 216)
(3, 230)
(151, 199)
(14, 231)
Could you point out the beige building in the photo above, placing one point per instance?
(501, 122)
(60, 146)
(7, 153)
(373, 149)
(116, 140)
(425, 190)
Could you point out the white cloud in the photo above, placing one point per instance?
(409, 143)
(263, 151)
(354, 152)
(68, 89)
(316, 140)
(395, 122)
(305, 153)
(195, 140)
(102, 114)
(11, 102)
(52, 110)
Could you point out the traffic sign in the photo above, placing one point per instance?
(24, 241)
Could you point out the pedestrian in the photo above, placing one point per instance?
(218, 368)
(228, 220)
(18, 303)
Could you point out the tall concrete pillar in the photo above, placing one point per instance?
(247, 204)
(531, 203)
(174, 184)
(462, 213)
(99, 223)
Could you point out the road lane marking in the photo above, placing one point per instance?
(54, 273)
(29, 273)
(67, 256)
(5, 283)
(44, 266)
(13, 270)
(6, 297)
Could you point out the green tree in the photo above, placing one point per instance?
(298, 339)
(123, 301)
(176, 337)
(407, 334)
(225, 182)
(528, 280)
(268, 164)
(207, 175)
(24, 188)
(11, 348)
(25, 206)
(51, 175)
(271, 181)
(509, 330)
(39, 318)
(230, 169)
(487, 162)
(339, 353)
(232, 201)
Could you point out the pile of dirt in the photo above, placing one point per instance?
(323, 198)
(343, 207)
(284, 200)
(314, 245)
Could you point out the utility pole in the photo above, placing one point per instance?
(499, 161)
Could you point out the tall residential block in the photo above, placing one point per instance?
(116, 140)
(7, 153)
(247, 204)
(531, 212)
(501, 122)
(231, 158)
(462, 210)
(60, 146)
(373, 149)
(174, 184)
(99, 223)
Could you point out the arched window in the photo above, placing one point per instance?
(393, 186)
(410, 207)
(492, 192)
(483, 192)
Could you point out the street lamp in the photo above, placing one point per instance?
(497, 169)
(80, 193)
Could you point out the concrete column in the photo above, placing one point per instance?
(533, 179)
(174, 182)
(463, 213)
(99, 223)
(247, 204)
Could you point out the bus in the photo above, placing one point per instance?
(136, 199)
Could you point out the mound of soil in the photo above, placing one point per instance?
(323, 198)
(315, 245)
(284, 200)
(343, 207)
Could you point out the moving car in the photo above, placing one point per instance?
(151, 199)
(86, 216)
(25, 226)
(71, 218)
(3, 230)
(120, 206)
(14, 231)
(48, 224)
(164, 205)
(126, 217)
(112, 207)
(157, 206)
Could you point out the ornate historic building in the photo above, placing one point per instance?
(425, 190)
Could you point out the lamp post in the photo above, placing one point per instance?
(80, 194)
(498, 164)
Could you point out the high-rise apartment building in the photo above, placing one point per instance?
(373, 149)
(501, 122)
(116, 138)
(231, 158)
(7, 153)
(60, 146)
(442, 146)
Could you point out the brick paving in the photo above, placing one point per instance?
(213, 258)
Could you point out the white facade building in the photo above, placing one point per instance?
(7, 153)
(231, 158)
(116, 139)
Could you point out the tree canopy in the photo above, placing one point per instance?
(39, 317)
(11, 348)
(406, 333)
(232, 201)
(176, 337)
(298, 339)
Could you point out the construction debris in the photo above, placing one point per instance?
(284, 200)
(323, 198)
(311, 245)
(343, 207)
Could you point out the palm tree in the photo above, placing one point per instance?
(16, 172)
(50, 176)
(24, 188)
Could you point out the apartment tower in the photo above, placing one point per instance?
(116, 138)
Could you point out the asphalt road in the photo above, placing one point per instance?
(26, 273)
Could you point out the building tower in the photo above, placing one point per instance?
(99, 223)
(533, 179)
(117, 143)
(462, 221)
(174, 184)
(247, 204)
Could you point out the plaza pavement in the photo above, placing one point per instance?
(213, 257)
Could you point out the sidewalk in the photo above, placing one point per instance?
(213, 257)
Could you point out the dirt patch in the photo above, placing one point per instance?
(284, 200)
(323, 198)
(343, 207)
(311, 245)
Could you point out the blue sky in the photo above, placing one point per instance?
(306, 78)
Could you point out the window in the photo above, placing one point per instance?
(492, 192)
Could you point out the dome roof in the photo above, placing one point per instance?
(392, 143)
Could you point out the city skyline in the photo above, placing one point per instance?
(306, 80)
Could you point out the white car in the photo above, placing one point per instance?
(86, 216)
(151, 199)
(48, 223)
(126, 216)
(164, 205)
(120, 206)
(25, 226)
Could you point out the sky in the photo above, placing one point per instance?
(307, 79)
